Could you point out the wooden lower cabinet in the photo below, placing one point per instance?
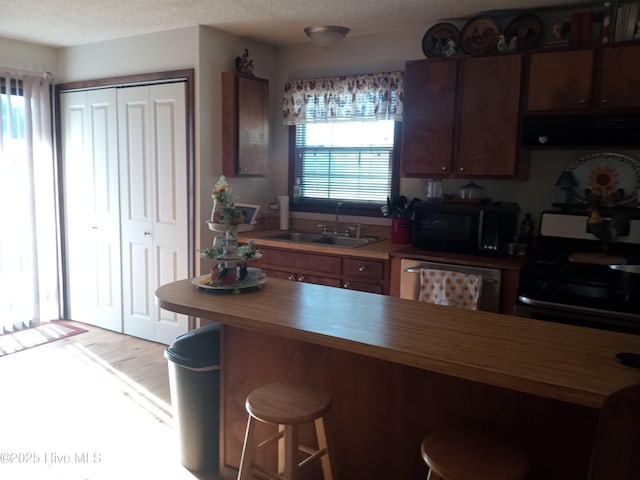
(361, 274)
(365, 275)
(298, 277)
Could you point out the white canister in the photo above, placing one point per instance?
(283, 200)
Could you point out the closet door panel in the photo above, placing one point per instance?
(92, 215)
(134, 122)
(170, 194)
(153, 165)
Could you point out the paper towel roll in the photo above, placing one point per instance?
(284, 211)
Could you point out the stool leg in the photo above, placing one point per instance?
(434, 476)
(248, 451)
(322, 444)
(290, 452)
(281, 451)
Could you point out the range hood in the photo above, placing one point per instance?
(581, 131)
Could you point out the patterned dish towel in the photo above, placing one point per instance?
(455, 289)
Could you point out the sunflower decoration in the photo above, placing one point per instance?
(224, 209)
(603, 181)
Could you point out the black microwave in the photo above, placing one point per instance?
(472, 228)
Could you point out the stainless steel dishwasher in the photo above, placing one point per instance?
(489, 300)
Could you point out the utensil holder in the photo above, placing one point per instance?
(401, 230)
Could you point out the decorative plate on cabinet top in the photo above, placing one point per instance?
(613, 177)
(441, 40)
(480, 35)
(527, 28)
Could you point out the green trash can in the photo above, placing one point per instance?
(194, 380)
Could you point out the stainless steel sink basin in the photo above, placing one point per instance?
(343, 241)
(324, 239)
(297, 237)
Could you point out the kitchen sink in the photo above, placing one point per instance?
(297, 237)
(323, 239)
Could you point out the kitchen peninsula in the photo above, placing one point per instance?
(397, 368)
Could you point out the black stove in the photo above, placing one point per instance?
(568, 278)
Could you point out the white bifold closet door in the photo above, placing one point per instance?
(92, 207)
(137, 166)
(153, 200)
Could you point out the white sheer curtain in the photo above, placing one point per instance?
(29, 292)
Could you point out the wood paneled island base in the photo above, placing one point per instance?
(396, 369)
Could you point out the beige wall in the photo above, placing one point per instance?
(210, 52)
(27, 56)
(388, 52)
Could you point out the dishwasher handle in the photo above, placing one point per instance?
(417, 270)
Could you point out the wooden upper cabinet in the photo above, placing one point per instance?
(585, 79)
(560, 80)
(620, 74)
(429, 111)
(245, 124)
(488, 143)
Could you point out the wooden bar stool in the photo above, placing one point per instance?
(287, 406)
(458, 454)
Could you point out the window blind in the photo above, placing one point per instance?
(361, 174)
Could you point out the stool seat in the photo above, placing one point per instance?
(287, 406)
(460, 454)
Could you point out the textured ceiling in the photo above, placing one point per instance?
(62, 23)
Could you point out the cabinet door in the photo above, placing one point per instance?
(429, 110)
(488, 125)
(245, 125)
(620, 86)
(560, 80)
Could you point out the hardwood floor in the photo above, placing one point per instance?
(89, 407)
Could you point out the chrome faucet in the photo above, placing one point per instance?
(337, 229)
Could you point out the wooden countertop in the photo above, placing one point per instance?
(378, 250)
(551, 360)
(384, 250)
(511, 262)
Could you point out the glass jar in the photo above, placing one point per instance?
(471, 191)
(433, 188)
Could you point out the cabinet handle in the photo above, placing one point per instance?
(292, 276)
(94, 227)
(362, 268)
(146, 234)
(604, 100)
(444, 169)
(301, 278)
(461, 169)
(583, 101)
(346, 285)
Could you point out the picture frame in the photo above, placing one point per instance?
(250, 211)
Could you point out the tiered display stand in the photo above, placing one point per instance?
(230, 273)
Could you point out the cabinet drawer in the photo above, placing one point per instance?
(367, 270)
(363, 287)
(300, 262)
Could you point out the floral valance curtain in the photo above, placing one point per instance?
(348, 98)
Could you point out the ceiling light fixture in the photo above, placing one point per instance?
(326, 36)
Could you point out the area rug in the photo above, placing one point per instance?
(35, 336)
